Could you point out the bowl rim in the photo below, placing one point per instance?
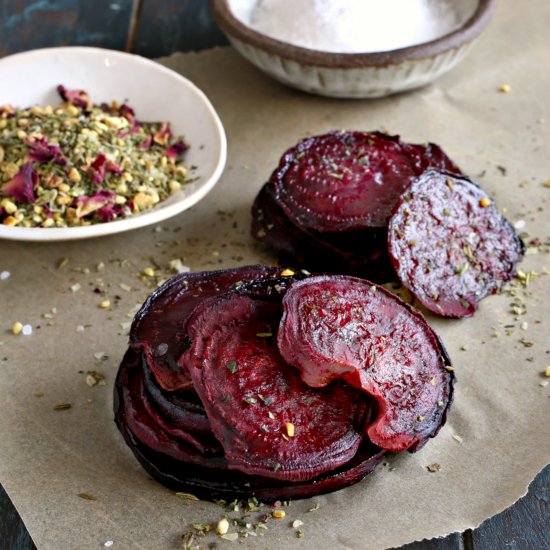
(164, 210)
(235, 29)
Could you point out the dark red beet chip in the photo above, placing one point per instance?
(132, 411)
(156, 450)
(268, 421)
(230, 484)
(449, 245)
(343, 327)
(346, 181)
(158, 328)
(181, 408)
(363, 253)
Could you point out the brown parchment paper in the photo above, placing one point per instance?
(498, 435)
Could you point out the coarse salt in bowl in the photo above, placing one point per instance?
(353, 48)
(155, 92)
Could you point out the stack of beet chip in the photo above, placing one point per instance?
(256, 382)
(373, 206)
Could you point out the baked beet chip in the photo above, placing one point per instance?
(449, 245)
(343, 327)
(269, 422)
(345, 181)
(327, 204)
(223, 412)
(158, 327)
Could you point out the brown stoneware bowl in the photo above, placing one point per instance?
(355, 74)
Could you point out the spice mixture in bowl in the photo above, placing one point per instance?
(353, 48)
(149, 146)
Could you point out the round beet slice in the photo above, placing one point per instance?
(158, 326)
(362, 253)
(132, 412)
(169, 461)
(345, 181)
(268, 421)
(178, 417)
(343, 327)
(449, 245)
(231, 484)
(181, 408)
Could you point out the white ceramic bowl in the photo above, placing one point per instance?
(155, 92)
(353, 75)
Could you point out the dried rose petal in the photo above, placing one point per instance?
(106, 213)
(99, 167)
(21, 186)
(101, 199)
(176, 150)
(147, 143)
(42, 151)
(78, 98)
(162, 137)
(127, 112)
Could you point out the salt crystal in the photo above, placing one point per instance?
(352, 26)
(80, 328)
(108, 543)
(4, 275)
(520, 224)
(26, 330)
(75, 288)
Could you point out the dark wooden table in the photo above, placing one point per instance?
(186, 25)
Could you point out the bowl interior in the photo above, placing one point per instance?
(155, 92)
(291, 26)
(475, 15)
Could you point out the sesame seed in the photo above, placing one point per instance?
(289, 429)
(287, 273)
(547, 372)
(105, 304)
(505, 88)
(17, 327)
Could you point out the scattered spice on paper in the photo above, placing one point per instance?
(87, 496)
